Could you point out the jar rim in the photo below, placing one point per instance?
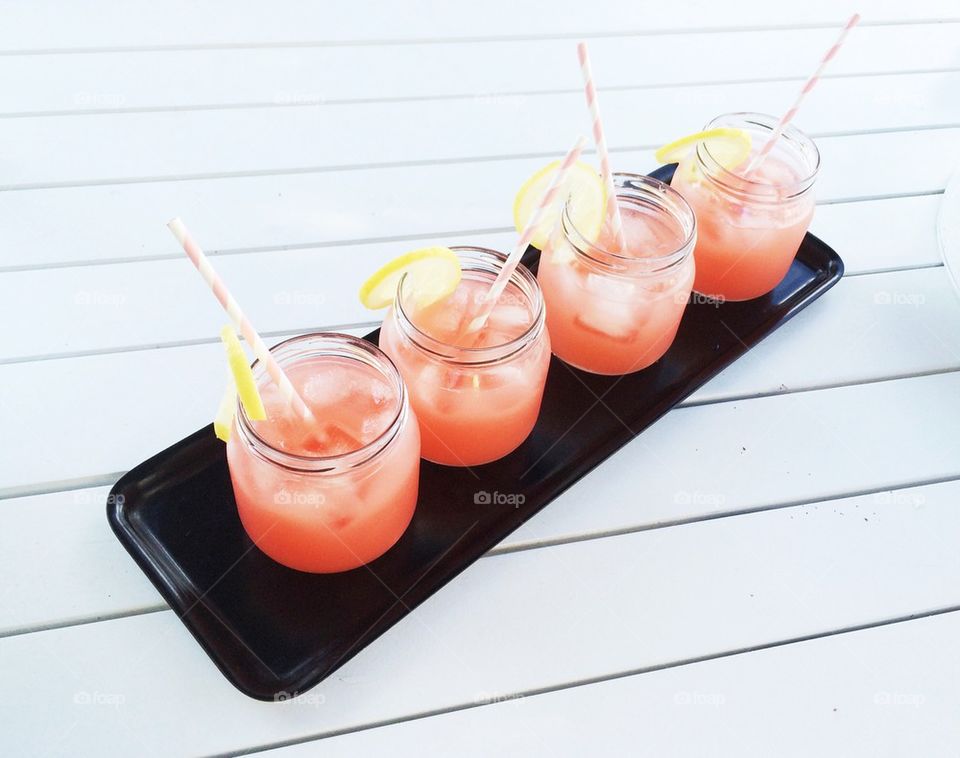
(521, 277)
(638, 186)
(800, 143)
(365, 352)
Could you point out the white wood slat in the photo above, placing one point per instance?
(63, 565)
(885, 691)
(48, 25)
(285, 76)
(126, 222)
(70, 150)
(867, 328)
(512, 623)
(755, 453)
(697, 462)
(122, 392)
(881, 235)
(516, 622)
(115, 307)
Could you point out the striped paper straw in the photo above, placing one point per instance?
(810, 84)
(513, 260)
(613, 208)
(240, 321)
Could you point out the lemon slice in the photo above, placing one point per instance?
(729, 147)
(434, 273)
(585, 191)
(223, 421)
(243, 375)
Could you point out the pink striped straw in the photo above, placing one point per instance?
(810, 84)
(240, 321)
(613, 208)
(513, 260)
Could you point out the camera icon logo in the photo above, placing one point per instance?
(482, 498)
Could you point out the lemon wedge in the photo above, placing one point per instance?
(223, 422)
(583, 187)
(242, 375)
(729, 147)
(433, 274)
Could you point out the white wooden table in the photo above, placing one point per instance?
(772, 569)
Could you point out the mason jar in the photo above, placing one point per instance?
(477, 396)
(750, 226)
(336, 492)
(612, 309)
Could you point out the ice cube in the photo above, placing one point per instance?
(273, 401)
(611, 319)
(330, 439)
(437, 385)
(442, 320)
(610, 287)
(509, 320)
(366, 393)
(381, 393)
(503, 375)
(376, 423)
(328, 386)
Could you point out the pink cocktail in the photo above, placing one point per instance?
(613, 309)
(335, 494)
(750, 227)
(477, 396)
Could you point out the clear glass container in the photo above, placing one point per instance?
(750, 228)
(477, 398)
(345, 505)
(612, 310)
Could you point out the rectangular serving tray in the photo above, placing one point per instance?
(275, 632)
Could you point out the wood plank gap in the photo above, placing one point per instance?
(599, 679)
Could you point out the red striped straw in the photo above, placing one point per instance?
(240, 321)
(513, 260)
(613, 208)
(810, 84)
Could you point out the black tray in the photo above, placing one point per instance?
(275, 632)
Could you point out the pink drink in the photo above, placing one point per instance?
(476, 398)
(336, 495)
(749, 229)
(612, 310)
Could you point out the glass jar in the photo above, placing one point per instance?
(327, 512)
(750, 228)
(477, 397)
(613, 311)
